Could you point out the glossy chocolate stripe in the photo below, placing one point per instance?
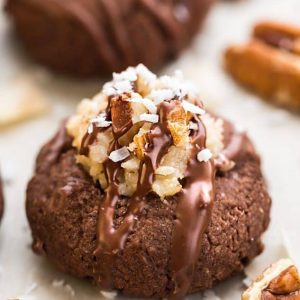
(193, 215)
(111, 240)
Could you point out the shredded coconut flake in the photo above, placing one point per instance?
(109, 295)
(159, 96)
(178, 74)
(58, 283)
(204, 155)
(247, 281)
(69, 290)
(239, 128)
(90, 129)
(192, 108)
(131, 164)
(108, 89)
(152, 118)
(170, 82)
(119, 154)
(63, 285)
(136, 98)
(123, 86)
(150, 105)
(188, 89)
(100, 121)
(144, 72)
(193, 126)
(129, 74)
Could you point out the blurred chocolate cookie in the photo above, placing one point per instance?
(96, 37)
(269, 63)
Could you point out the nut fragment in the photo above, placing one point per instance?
(280, 281)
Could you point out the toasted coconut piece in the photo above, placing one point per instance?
(99, 150)
(129, 181)
(179, 132)
(142, 86)
(177, 159)
(140, 140)
(87, 109)
(165, 186)
(178, 120)
(214, 133)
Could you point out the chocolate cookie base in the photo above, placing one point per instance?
(62, 208)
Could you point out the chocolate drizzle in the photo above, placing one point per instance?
(87, 18)
(111, 240)
(194, 207)
(193, 215)
(89, 139)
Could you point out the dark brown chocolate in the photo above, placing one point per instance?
(111, 240)
(192, 216)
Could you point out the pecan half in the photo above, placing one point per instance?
(269, 64)
(281, 281)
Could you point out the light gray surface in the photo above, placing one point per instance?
(276, 134)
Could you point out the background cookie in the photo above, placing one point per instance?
(95, 37)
